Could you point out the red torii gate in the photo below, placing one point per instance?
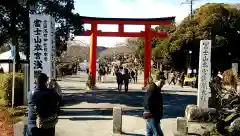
(148, 34)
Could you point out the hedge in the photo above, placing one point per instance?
(229, 79)
(65, 69)
(6, 89)
(190, 79)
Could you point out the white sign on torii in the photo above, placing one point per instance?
(204, 73)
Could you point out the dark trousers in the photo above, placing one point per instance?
(153, 127)
(99, 77)
(61, 103)
(135, 79)
(172, 80)
(119, 86)
(126, 86)
(182, 82)
(40, 132)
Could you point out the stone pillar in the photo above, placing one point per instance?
(235, 69)
(26, 84)
(161, 66)
(19, 129)
(235, 74)
(182, 125)
(204, 73)
(117, 120)
(238, 88)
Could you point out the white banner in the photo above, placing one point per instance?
(204, 73)
(40, 46)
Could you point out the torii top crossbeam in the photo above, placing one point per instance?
(128, 21)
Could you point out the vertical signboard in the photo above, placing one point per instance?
(40, 46)
(204, 73)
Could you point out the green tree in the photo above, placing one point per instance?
(217, 22)
(14, 21)
(159, 46)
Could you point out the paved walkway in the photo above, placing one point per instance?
(90, 113)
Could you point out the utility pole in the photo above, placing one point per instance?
(189, 53)
(191, 9)
(190, 2)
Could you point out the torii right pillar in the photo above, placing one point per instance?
(147, 54)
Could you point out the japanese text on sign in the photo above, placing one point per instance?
(53, 48)
(37, 47)
(45, 39)
(204, 74)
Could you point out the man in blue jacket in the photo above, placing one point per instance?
(42, 102)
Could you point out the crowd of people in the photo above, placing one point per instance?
(102, 72)
(124, 76)
(176, 77)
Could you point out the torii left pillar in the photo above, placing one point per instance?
(147, 54)
(93, 54)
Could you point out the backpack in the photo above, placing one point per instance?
(46, 122)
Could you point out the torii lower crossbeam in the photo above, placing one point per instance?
(126, 34)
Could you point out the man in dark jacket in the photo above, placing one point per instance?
(119, 78)
(126, 77)
(181, 78)
(42, 102)
(153, 106)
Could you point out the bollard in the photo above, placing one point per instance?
(182, 125)
(117, 120)
(19, 128)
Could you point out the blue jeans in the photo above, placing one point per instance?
(153, 127)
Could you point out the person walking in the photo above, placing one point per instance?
(43, 109)
(104, 72)
(153, 106)
(181, 78)
(133, 76)
(100, 74)
(173, 78)
(53, 84)
(136, 75)
(126, 78)
(119, 78)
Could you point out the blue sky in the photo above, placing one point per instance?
(133, 9)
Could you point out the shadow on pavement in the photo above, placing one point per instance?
(193, 134)
(175, 91)
(74, 80)
(174, 104)
(99, 112)
(131, 134)
(73, 89)
(85, 118)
